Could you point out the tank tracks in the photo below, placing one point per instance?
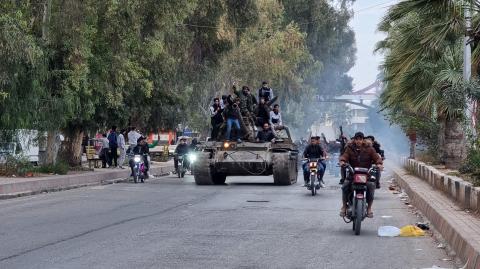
(204, 174)
(285, 169)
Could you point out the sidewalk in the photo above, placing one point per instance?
(16, 187)
(460, 228)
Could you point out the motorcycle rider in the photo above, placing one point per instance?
(359, 154)
(381, 152)
(181, 150)
(314, 151)
(140, 149)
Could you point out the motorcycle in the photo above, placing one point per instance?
(182, 166)
(357, 200)
(314, 184)
(139, 169)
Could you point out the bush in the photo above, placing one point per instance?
(60, 168)
(15, 165)
(471, 167)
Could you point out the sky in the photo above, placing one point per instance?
(368, 14)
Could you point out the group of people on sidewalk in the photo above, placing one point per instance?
(233, 112)
(116, 144)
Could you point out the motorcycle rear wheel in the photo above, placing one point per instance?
(359, 209)
(312, 185)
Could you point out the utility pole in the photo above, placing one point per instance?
(467, 66)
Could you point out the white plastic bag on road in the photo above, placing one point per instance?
(388, 231)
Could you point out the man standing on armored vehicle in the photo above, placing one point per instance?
(265, 92)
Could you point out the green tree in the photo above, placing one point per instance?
(423, 70)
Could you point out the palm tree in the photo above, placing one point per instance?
(423, 68)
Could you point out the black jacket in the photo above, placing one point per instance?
(140, 150)
(182, 149)
(265, 136)
(377, 148)
(263, 112)
(313, 152)
(231, 112)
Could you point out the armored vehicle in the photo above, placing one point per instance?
(217, 160)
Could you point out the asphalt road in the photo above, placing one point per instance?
(172, 223)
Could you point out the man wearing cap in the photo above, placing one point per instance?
(359, 154)
(265, 92)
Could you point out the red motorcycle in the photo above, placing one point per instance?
(357, 198)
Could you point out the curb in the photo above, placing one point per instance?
(459, 236)
(457, 189)
(61, 183)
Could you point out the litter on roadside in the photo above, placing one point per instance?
(386, 217)
(441, 246)
(423, 225)
(411, 231)
(388, 231)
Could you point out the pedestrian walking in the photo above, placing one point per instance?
(112, 142)
(122, 147)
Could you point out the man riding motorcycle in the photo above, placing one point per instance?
(359, 154)
(140, 149)
(381, 152)
(181, 150)
(314, 151)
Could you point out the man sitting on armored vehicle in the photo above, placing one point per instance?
(262, 112)
(266, 134)
(276, 118)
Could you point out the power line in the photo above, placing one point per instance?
(375, 6)
(304, 23)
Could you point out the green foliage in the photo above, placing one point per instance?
(60, 168)
(471, 167)
(77, 66)
(17, 165)
(424, 87)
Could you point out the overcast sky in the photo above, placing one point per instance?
(367, 16)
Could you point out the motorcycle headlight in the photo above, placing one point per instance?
(137, 158)
(313, 164)
(192, 158)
